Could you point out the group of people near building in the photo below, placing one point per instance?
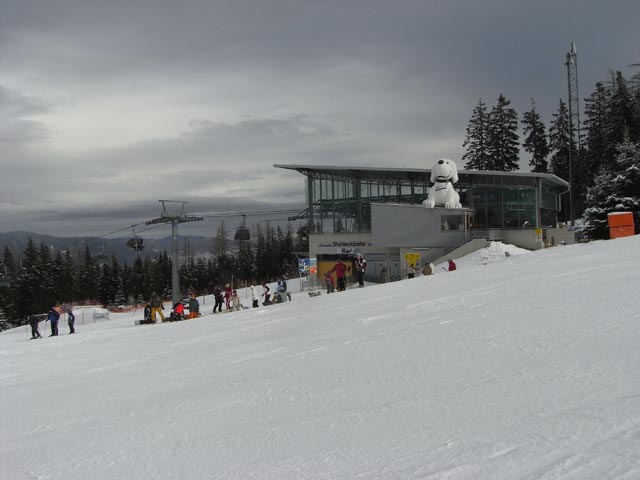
(53, 317)
(340, 269)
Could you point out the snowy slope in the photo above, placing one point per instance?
(519, 367)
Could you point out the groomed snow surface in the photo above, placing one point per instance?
(518, 367)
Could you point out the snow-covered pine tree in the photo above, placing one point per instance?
(620, 118)
(616, 189)
(503, 146)
(594, 218)
(535, 141)
(627, 179)
(475, 143)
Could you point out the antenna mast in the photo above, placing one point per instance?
(574, 121)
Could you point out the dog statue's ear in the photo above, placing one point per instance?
(454, 176)
(433, 175)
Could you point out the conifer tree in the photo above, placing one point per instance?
(88, 276)
(28, 283)
(559, 142)
(246, 261)
(616, 189)
(502, 131)
(68, 285)
(126, 284)
(7, 296)
(50, 278)
(137, 280)
(595, 128)
(620, 119)
(201, 276)
(536, 140)
(477, 138)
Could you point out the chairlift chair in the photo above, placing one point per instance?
(135, 244)
(242, 232)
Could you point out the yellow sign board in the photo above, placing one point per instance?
(412, 259)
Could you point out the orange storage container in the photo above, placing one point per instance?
(620, 219)
(619, 232)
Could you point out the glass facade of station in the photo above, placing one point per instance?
(339, 198)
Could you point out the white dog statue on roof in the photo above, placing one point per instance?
(443, 175)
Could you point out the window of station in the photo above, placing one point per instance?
(452, 222)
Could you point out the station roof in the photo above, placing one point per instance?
(405, 173)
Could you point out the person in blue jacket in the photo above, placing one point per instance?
(53, 317)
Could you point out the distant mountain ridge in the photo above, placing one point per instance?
(17, 242)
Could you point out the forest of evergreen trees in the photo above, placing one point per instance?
(605, 166)
(39, 277)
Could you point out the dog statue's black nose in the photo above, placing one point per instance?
(440, 162)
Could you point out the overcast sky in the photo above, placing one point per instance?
(108, 106)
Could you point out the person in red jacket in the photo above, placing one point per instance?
(328, 280)
(227, 296)
(341, 270)
(452, 265)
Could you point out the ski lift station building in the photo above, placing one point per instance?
(378, 213)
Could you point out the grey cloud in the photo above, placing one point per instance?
(361, 82)
(15, 127)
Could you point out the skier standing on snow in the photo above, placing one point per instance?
(194, 306)
(33, 322)
(235, 301)
(217, 293)
(71, 320)
(156, 307)
(361, 267)
(341, 270)
(328, 280)
(254, 296)
(53, 317)
(452, 265)
(227, 297)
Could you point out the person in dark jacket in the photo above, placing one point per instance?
(361, 268)
(71, 320)
(33, 322)
(194, 306)
(217, 293)
(147, 313)
(53, 317)
(156, 307)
